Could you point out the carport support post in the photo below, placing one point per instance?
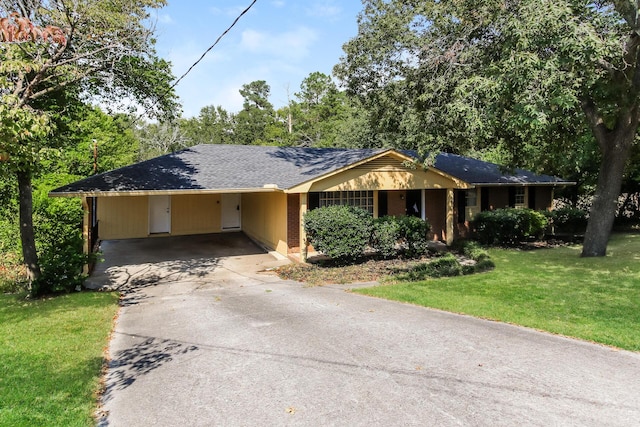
(450, 213)
(303, 235)
(86, 224)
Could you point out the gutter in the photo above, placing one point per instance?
(114, 193)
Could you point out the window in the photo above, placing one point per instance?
(471, 197)
(520, 197)
(361, 199)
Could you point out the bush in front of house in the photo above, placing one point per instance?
(59, 237)
(508, 227)
(340, 232)
(394, 235)
(413, 232)
(568, 219)
(386, 236)
(445, 266)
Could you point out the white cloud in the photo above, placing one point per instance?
(324, 9)
(278, 3)
(165, 18)
(228, 11)
(291, 44)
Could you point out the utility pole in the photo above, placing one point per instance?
(95, 156)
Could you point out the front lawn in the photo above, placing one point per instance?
(596, 299)
(51, 355)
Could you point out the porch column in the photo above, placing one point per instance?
(86, 227)
(375, 203)
(450, 215)
(303, 236)
(423, 204)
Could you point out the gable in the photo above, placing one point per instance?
(385, 172)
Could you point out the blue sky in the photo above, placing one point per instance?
(279, 41)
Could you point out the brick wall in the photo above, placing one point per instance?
(293, 223)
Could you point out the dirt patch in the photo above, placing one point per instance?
(325, 273)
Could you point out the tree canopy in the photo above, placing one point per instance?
(103, 51)
(539, 83)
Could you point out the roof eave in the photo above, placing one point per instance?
(523, 184)
(266, 189)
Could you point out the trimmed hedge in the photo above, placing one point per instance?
(509, 226)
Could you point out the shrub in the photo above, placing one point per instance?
(386, 236)
(471, 249)
(509, 226)
(59, 240)
(444, 266)
(392, 235)
(413, 232)
(340, 232)
(568, 219)
(484, 265)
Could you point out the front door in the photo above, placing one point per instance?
(413, 206)
(231, 213)
(159, 214)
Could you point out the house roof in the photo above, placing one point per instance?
(243, 167)
(476, 172)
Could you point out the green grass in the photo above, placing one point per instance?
(596, 299)
(51, 355)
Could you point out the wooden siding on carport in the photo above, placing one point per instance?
(127, 217)
(123, 217)
(264, 219)
(195, 214)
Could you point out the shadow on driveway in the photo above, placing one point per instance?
(137, 263)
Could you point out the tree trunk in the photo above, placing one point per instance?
(27, 235)
(605, 201)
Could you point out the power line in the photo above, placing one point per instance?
(214, 44)
(224, 33)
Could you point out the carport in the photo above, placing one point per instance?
(127, 264)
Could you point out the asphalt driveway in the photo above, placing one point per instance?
(218, 341)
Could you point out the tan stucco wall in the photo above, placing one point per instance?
(360, 179)
(195, 214)
(264, 218)
(124, 217)
(382, 173)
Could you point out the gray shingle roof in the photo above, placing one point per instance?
(222, 167)
(229, 167)
(476, 171)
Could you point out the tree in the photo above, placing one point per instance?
(103, 51)
(214, 125)
(320, 109)
(255, 122)
(535, 79)
(157, 139)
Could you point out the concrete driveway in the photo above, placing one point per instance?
(228, 345)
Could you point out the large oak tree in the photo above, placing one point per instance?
(106, 55)
(543, 81)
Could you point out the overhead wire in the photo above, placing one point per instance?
(224, 33)
(214, 44)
